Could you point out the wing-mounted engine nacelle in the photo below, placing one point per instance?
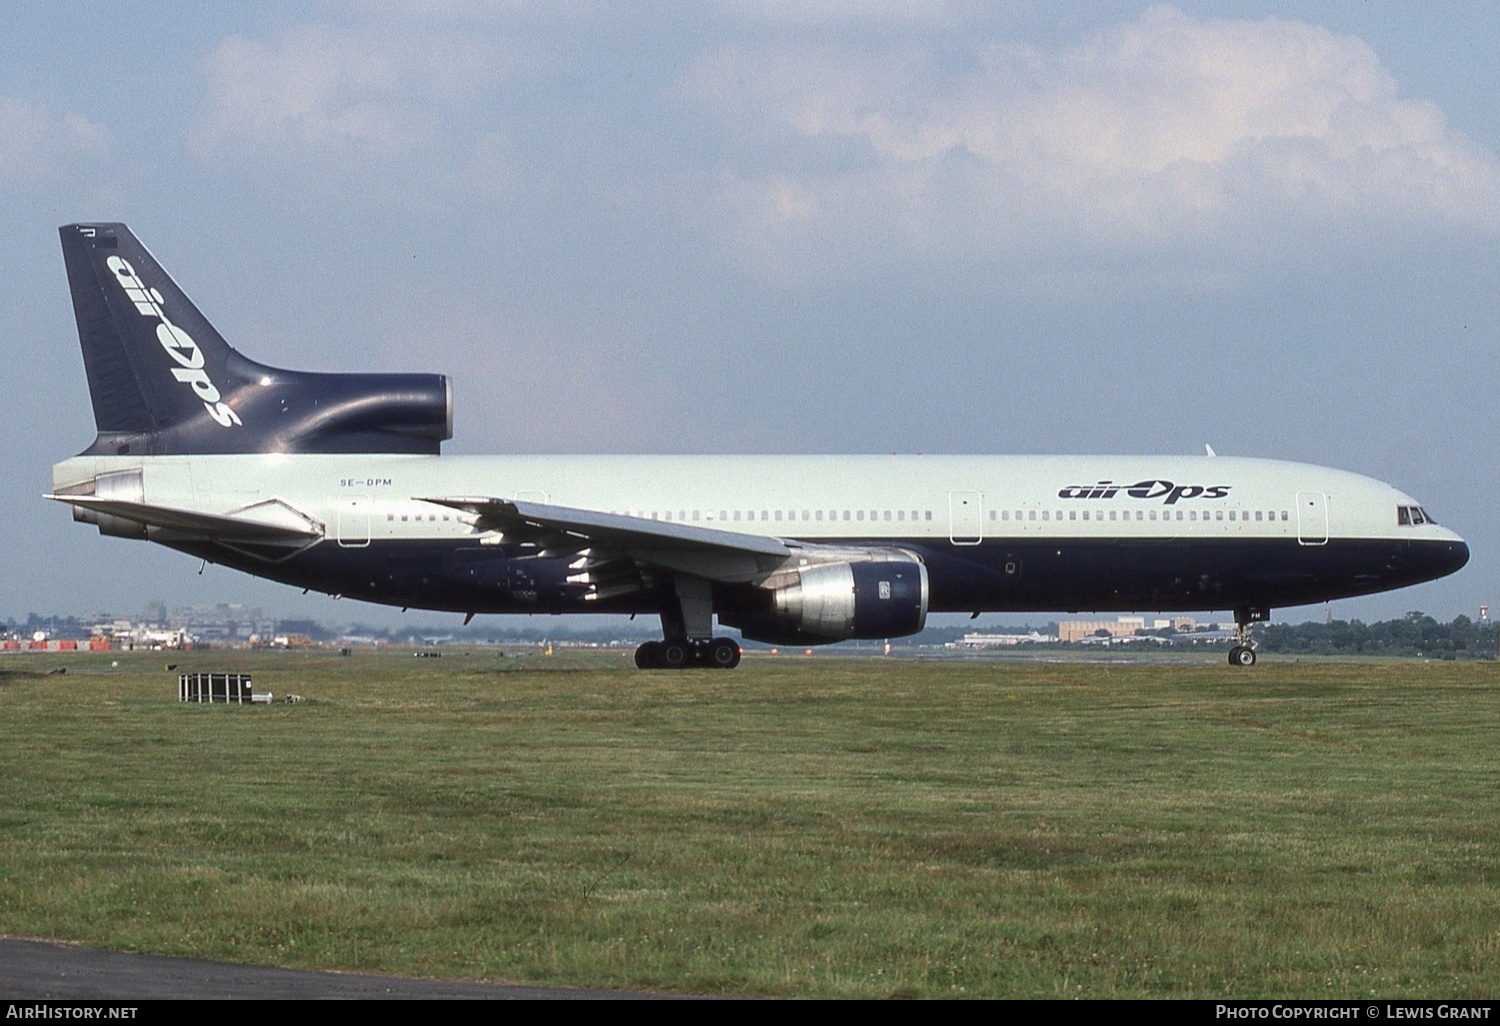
(817, 605)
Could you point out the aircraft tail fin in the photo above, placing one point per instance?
(164, 381)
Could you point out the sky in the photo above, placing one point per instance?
(754, 226)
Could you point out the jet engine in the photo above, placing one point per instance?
(816, 605)
(123, 486)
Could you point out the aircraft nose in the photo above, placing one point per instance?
(1458, 556)
(1445, 558)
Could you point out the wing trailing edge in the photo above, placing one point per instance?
(707, 552)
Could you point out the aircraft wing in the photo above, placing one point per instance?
(705, 551)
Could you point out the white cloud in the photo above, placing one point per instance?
(360, 98)
(863, 12)
(34, 140)
(1160, 132)
(553, 12)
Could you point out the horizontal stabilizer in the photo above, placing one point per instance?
(267, 522)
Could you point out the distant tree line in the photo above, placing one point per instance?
(1415, 634)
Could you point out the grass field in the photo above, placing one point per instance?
(806, 827)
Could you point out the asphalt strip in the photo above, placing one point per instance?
(41, 971)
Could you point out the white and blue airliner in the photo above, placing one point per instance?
(335, 482)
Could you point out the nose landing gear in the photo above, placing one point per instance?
(1243, 652)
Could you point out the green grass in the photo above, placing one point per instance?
(823, 827)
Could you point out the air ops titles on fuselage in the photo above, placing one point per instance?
(1166, 491)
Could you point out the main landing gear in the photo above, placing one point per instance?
(713, 653)
(1243, 652)
(686, 627)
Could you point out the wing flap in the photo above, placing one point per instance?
(704, 551)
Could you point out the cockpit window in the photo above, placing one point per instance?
(1409, 516)
(1403, 516)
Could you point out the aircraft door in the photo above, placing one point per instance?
(1312, 518)
(965, 518)
(354, 522)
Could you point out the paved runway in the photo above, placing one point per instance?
(39, 970)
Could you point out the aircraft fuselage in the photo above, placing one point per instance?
(995, 533)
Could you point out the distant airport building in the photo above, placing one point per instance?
(1070, 631)
(1073, 631)
(977, 641)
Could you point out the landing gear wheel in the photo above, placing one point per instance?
(723, 654)
(1242, 655)
(716, 654)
